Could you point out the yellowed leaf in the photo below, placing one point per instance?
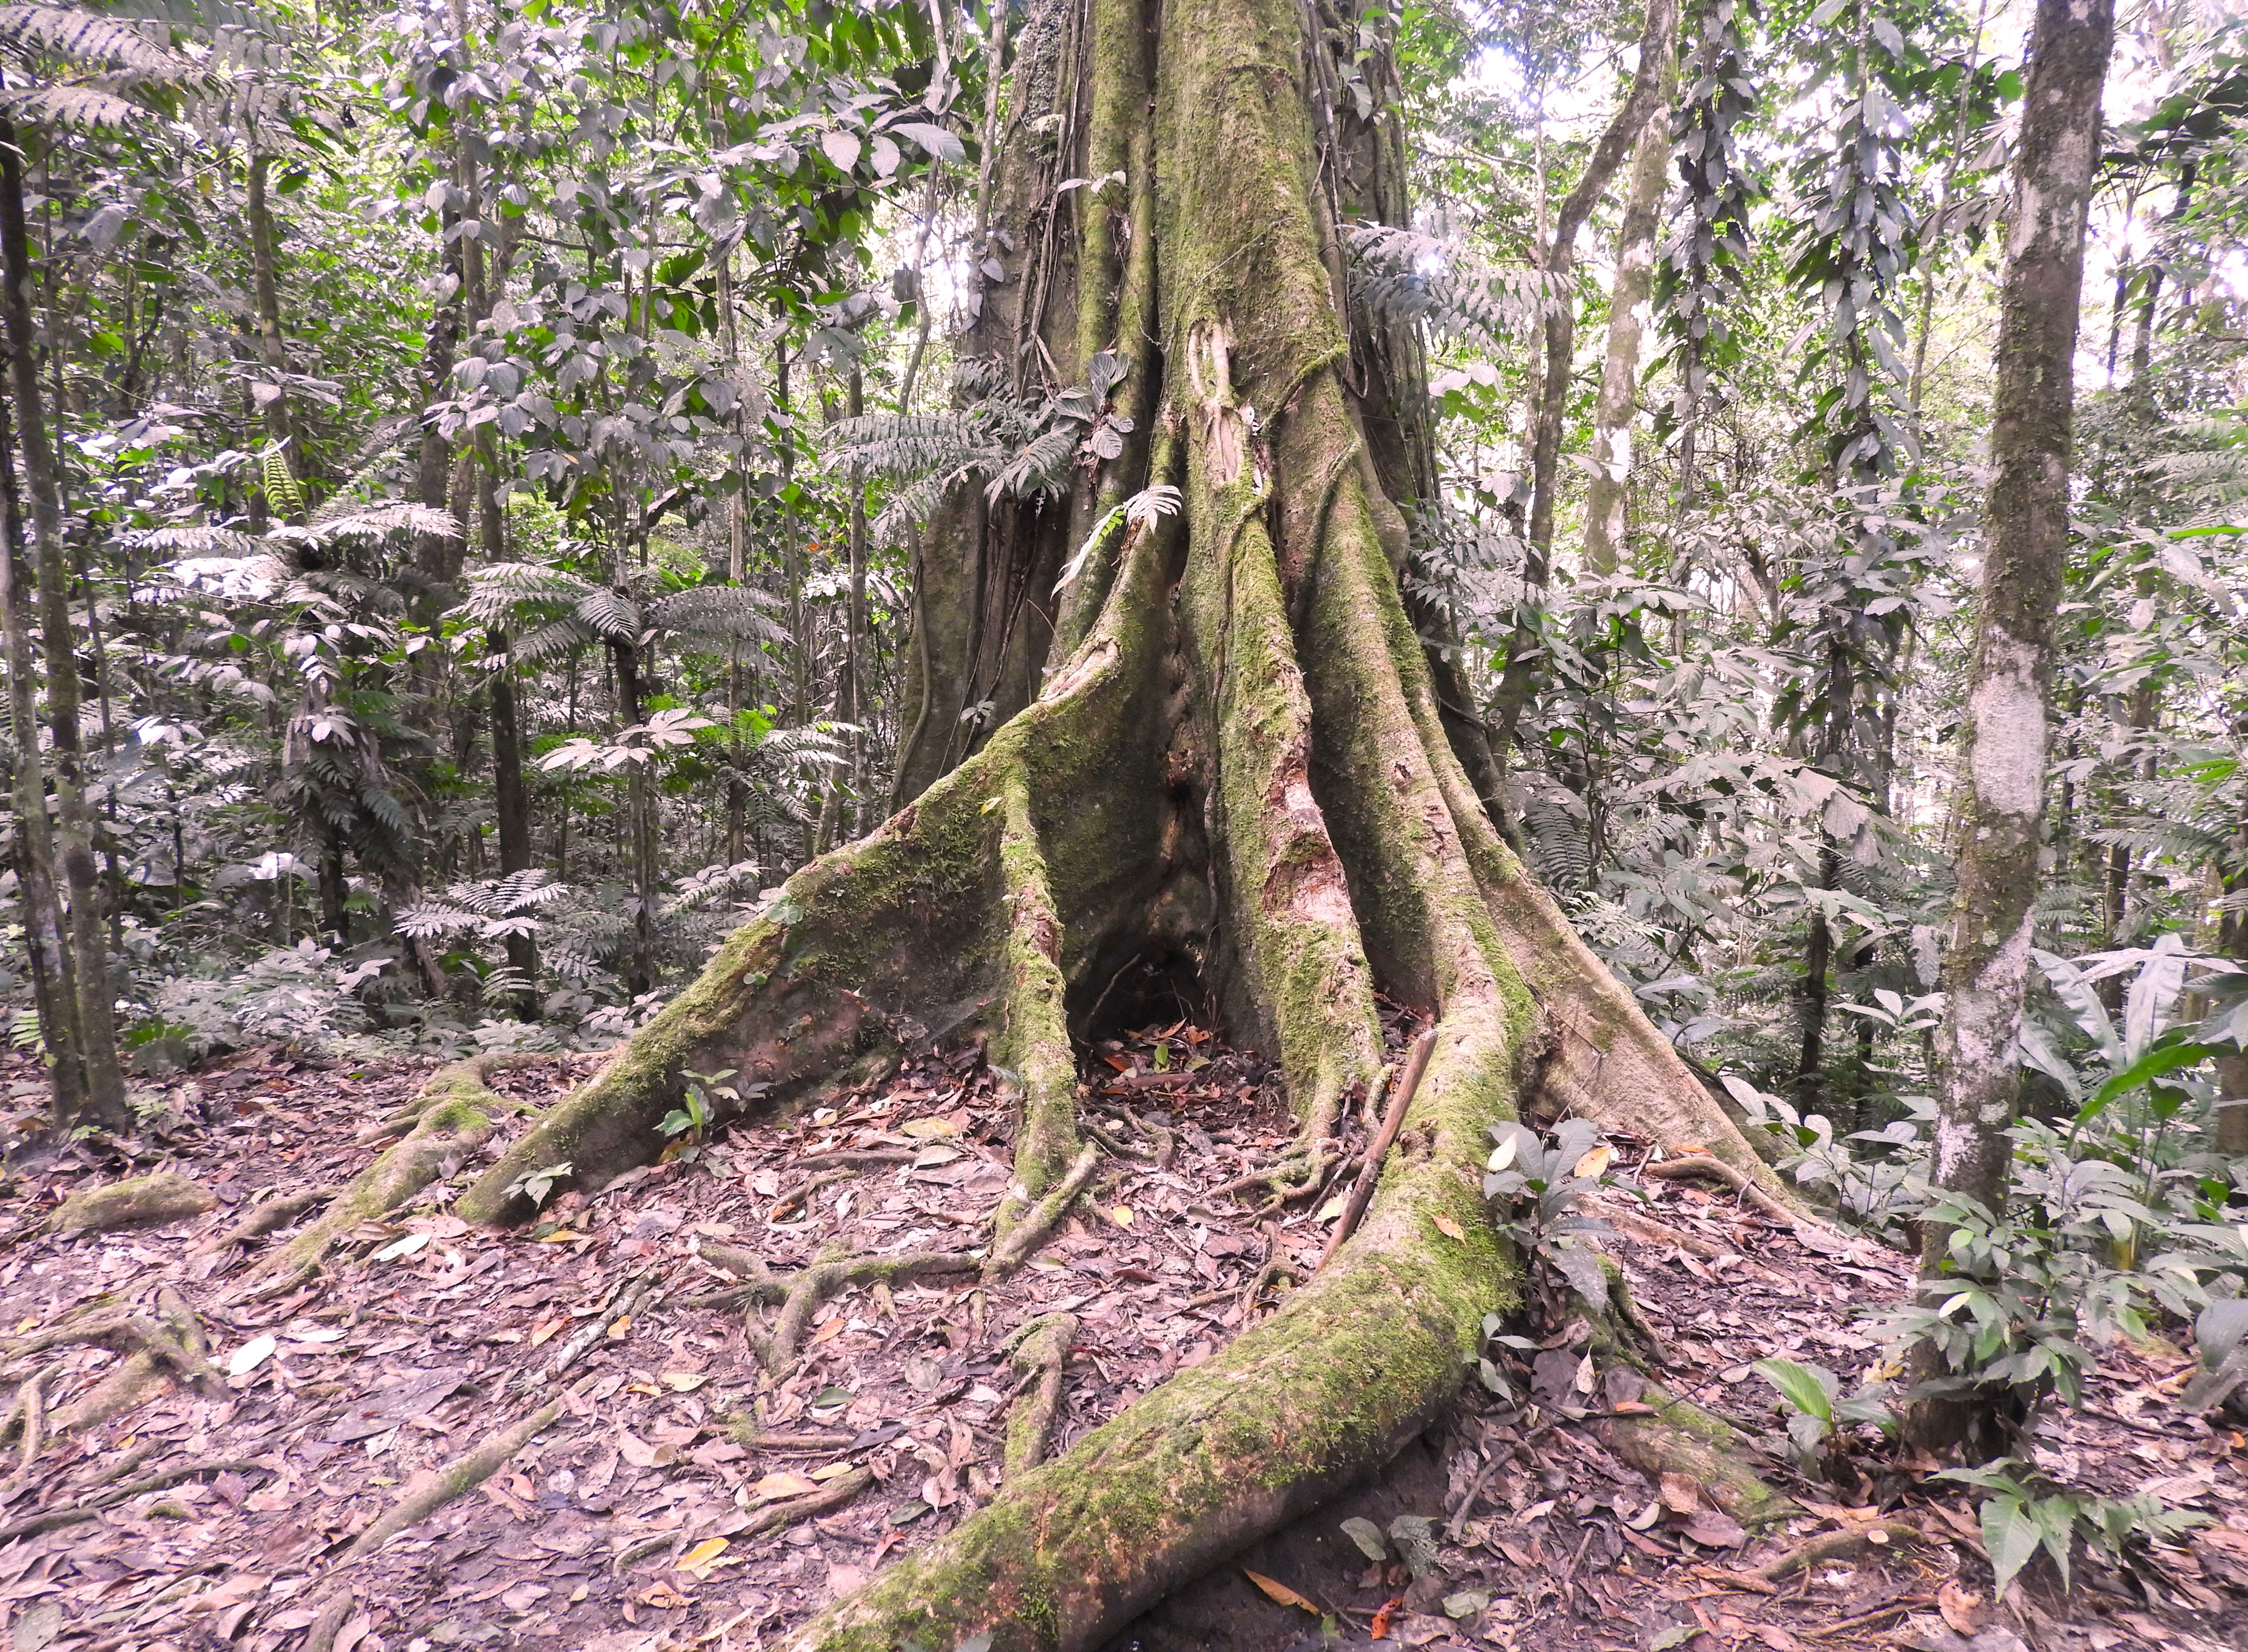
(781, 1482)
(648, 1389)
(684, 1382)
(1594, 1163)
(1122, 1216)
(696, 1560)
(827, 1333)
(1448, 1228)
(545, 1329)
(1279, 1591)
(831, 1471)
(921, 1129)
(621, 1328)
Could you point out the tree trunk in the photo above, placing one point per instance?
(103, 1103)
(2010, 680)
(280, 423)
(53, 981)
(1607, 497)
(1657, 48)
(1240, 781)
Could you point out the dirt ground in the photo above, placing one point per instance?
(685, 1497)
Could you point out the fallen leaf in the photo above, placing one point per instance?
(1958, 1605)
(1122, 1216)
(1594, 1163)
(622, 1329)
(1680, 1494)
(252, 1355)
(1448, 1228)
(921, 1129)
(1278, 1591)
(827, 1333)
(1714, 1530)
(781, 1482)
(642, 1455)
(1777, 1638)
(684, 1382)
(696, 1561)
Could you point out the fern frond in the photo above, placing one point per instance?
(725, 611)
(80, 108)
(548, 641)
(1041, 468)
(85, 38)
(380, 522)
(1419, 278)
(609, 615)
(902, 445)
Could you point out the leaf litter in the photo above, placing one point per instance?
(683, 1497)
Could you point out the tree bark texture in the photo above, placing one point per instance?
(2009, 681)
(104, 1100)
(1238, 784)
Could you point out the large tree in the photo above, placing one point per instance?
(1231, 778)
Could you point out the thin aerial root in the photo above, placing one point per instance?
(1040, 1347)
(1392, 1122)
(462, 1474)
(1040, 1219)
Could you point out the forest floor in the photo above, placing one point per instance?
(644, 1517)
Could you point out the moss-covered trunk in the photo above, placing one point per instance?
(1238, 776)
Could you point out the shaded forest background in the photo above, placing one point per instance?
(476, 552)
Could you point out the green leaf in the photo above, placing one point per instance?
(2163, 1058)
(1807, 1388)
(2010, 1537)
(1368, 1536)
(1677, 1634)
(2056, 1524)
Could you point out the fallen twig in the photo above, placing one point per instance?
(1392, 1122)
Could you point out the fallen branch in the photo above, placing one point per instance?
(462, 1474)
(1040, 1347)
(801, 1193)
(1386, 1138)
(1849, 1543)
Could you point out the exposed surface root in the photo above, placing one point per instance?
(170, 1339)
(1029, 1231)
(1700, 1167)
(1040, 1347)
(144, 1201)
(777, 1350)
(452, 1118)
(1681, 1438)
(462, 1474)
(1857, 1540)
(285, 1210)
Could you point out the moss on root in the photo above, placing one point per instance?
(1292, 1411)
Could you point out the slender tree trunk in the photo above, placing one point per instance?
(640, 809)
(2009, 681)
(272, 350)
(854, 666)
(1657, 45)
(104, 1102)
(1609, 496)
(53, 981)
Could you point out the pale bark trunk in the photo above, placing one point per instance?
(54, 982)
(104, 1102)
(2009, 681)
(1657, 47)
(1608, 499)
